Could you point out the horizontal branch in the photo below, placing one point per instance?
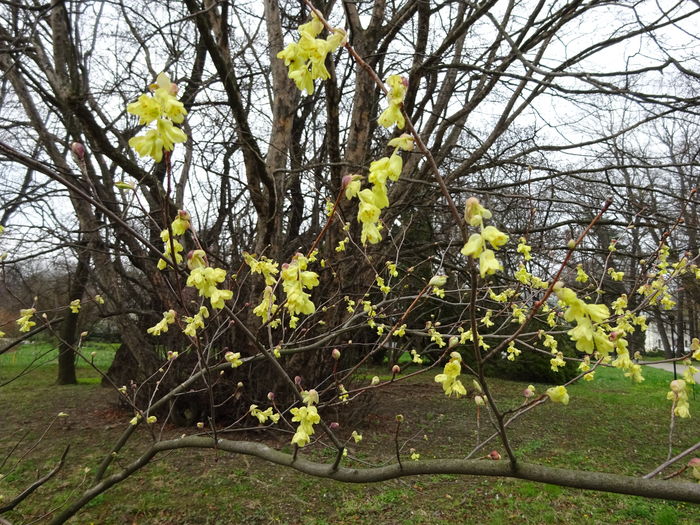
(600, 481)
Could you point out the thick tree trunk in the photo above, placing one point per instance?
(69, 332)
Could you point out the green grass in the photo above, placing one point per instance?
(609, 425)
(34, 355)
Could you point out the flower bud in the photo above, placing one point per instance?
(399, 418)
(571, 244)
(375, 381)
(200, 425)
(334, 425)
(78, 150)
(453, 341)
(84, 334)
(494, 455)
(270, 396)
(335, 354)
(477, 386)
(479, 401)
(240, 384)
(396, 369)
(297, 380)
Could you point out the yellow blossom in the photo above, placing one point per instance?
(263, 415)
(25, 323)
(307, 417)
(615, 276)
(392, 114)
(205, 280)
(558, 394)
(581, 275)
(162, 325)
(295, 278)
(233, 358)
(449, 378)
(163, 108)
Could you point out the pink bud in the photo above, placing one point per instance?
(297, 380)
(78, 150)
(182, 214)
(336, 354)
(494, 455)
(173, 89)
(396, 369)
(528, 393)
(271, 396)
(346, 180)
(334, 425)
(404, 81)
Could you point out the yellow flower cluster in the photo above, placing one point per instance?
(512, 351)
(581, 275)
(374, 200)
(168, 247)
(397, 92)
(268, 269)
(263, 415)
(262, 265)
(679, 395)
(558, 394)
(657, 291)
(205, 280)
(307, 417)
(162, 325)
(25, 321)
(585, 366)
(524, 249)
(179, 226)
(585, 334)
(164, 108)
(474, 214)
(450, 377)
(615, 276)
(196, 322)
(306, 58)
(234, 358)
(295, 278)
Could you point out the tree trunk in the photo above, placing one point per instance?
(69, 332)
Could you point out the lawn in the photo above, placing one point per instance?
(610, 425)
